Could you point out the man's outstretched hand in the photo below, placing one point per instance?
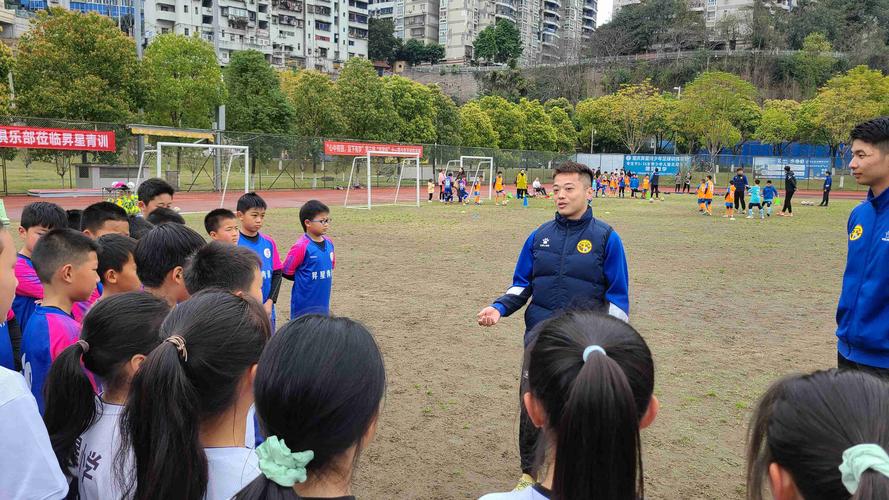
(488, 316)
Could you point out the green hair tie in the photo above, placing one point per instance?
(858, 459)
(281, 465)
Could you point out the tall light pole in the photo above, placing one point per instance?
(592, 138)
(678, 92)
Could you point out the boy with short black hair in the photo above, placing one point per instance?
(160, 258)
(222, 225)
(75, 218)
(310, 262)
(225, 266)
(768, 197)
(139, 227)
(251, 212)
(161, 215)
(103, 218)
(154, 193)
(755, 200)
(38, 219)
(117, 265)
(66, 262)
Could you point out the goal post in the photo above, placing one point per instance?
(408, 160)
(482, 160)
(242, 152)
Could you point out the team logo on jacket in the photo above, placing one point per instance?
(544, 243)
(584, 246)
(856, 233)
(268, 253)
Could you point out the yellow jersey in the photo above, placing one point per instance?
(521, 181)
(498, 183)
(430, 186)
(701, 189)
(708, 191)
(730, 194)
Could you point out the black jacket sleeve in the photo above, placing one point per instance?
(276, 285)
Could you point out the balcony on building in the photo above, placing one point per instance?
(359, 19)
(551, 21)
(322, 26)
(357, 33)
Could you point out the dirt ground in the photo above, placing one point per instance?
(726, 306)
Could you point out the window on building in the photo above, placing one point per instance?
(186, 32)
(185, 8)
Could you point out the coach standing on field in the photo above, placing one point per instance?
(574, 260)
(863, 310)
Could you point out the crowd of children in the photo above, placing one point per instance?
(761, 198)
(156, 388)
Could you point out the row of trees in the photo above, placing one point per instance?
(719, 111)
(81, 67)
(383, 45)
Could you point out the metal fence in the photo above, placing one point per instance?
(276, 161)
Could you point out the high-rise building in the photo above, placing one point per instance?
(318, 34)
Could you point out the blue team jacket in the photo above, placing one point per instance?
(568, 263)
(862, 313)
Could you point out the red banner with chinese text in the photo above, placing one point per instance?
(56, 138)
(341, 148)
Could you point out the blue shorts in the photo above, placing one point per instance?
(700, 201)
(708, 202)
(729, 205)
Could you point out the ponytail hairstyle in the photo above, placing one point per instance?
(805, 423)
(594, 377)
(210, 341)
(318, 387)
(114, 330)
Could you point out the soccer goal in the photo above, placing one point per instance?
(480, 163)
(383, 181)
(199, 160)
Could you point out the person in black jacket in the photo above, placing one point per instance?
(828, 183)
(789, 189)
(573, 261)
(740, 183)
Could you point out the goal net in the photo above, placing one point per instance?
(197, 166)
(381, 178)
(479, 167)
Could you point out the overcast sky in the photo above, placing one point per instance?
(604, 14)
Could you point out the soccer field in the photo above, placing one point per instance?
(726, 307)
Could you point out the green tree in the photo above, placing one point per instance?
(593, 117)
(845, 101)
(381, 40)
(566, 135)
(476, 128)
(539, 134)
(716, 108)
(316, 111)
(433, 53)
(633, 110)
(412, 52)
(256, 103)
(77, 66)
(366, 103)
(813, 65)
(80, 67)
(184, 81)
(499, 43)
(562, 103)
(447, 118)
(416, 109)
(778, 126)
(508, 120)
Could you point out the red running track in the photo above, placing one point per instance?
(204, 201)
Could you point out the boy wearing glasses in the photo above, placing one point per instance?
(251, 213)
(310, 262)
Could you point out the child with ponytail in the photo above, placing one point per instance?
(319, 387)
(590, 384)
(118, 332)
(821, 436)
(186, 414)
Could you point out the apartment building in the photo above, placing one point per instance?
(317, 34)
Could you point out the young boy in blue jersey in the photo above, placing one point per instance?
(251, 213)
(449, 188)
(222, 225)
(227, 267)
(755, 200)
(37, 219)
(768, 197)
(117, 265)
(310, 262)
(66, 262)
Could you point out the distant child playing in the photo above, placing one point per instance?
(755, 200)
(730, 202)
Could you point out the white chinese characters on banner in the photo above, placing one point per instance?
(48, 138)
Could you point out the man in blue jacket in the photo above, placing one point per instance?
(573, 261)
(828, 183)
(863, 310)
(740, 183)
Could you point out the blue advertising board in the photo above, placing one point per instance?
(666, 164)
